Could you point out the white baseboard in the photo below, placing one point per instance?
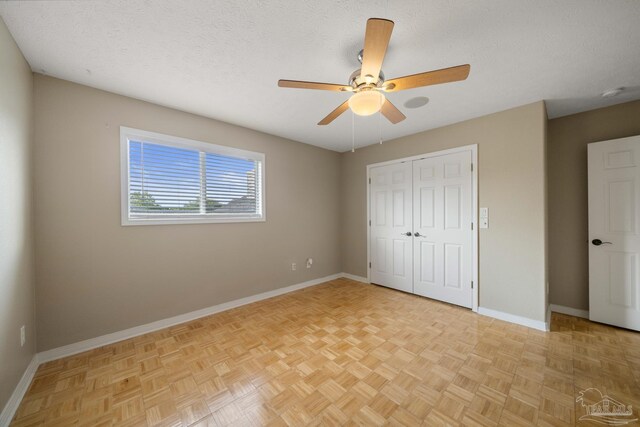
(356, 278)
(569, 310)
(79, 347)
(82, 346)
(69, 350)
(18, 393)
(507, 317)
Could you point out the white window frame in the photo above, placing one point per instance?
(130, 134)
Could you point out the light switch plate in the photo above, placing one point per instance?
(484, 218)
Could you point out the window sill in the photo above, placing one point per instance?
(126, 222)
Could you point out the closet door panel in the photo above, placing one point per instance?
(443, 244)
(391, 210)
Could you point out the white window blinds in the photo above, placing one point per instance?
(172, 180)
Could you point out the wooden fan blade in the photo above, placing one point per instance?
(297, 84)
(445, 75)
(335, 113)
(376, 40)
(392, 113)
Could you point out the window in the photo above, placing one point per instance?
(171, 180)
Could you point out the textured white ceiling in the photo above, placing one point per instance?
(222, 59)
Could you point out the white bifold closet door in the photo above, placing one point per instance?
(391, 222)
(442, 218)
(421, 237)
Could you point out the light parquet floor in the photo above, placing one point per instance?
(340, 353)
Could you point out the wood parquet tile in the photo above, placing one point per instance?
(340, 354)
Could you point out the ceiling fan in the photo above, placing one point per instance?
(368, 84)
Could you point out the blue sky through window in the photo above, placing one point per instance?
(171, 176)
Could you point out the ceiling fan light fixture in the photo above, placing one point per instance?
(366, 102)
(368, 81)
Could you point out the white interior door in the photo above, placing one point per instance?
(614, 240)
(443, 239)
(390, 215)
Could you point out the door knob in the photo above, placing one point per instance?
(408, 233)
(598, 242)
(417, 234)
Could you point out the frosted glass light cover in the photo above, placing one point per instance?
(367, 102)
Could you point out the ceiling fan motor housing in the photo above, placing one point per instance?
(357, 81)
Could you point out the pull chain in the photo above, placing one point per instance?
(380, 122)
(353, 132)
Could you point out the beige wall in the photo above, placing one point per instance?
(511, 184)
(95, 276)
(17, 303)
(568, 218)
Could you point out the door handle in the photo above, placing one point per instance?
(418, 234)
(408, 233)
(598, 242)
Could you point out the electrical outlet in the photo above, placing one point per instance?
(309, 262)
(293, 266)
(23, 336)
